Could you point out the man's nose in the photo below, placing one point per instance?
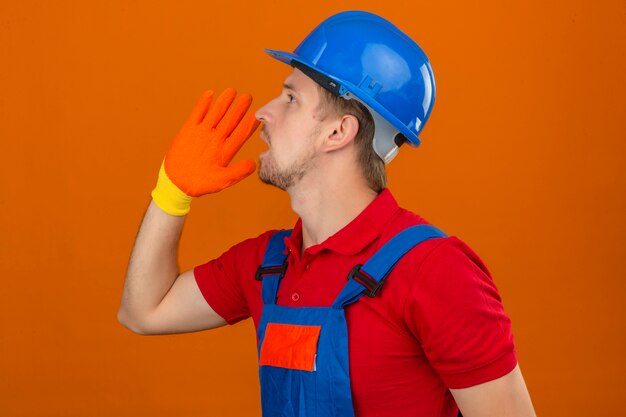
(266, 113)
(262, 114)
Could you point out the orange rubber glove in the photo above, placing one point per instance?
(197, 160)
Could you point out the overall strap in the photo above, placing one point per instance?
(367, 279)
(273, 267)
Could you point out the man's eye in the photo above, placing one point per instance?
(290, 98)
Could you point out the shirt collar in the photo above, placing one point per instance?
(357, 234)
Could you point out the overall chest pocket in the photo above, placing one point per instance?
(290, 346)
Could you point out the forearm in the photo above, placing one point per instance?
(157, 299)
(153, 266)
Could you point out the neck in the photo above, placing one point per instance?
(327, 200)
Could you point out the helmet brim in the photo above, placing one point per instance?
(285, 57)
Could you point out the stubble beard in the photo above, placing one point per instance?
(270, 173)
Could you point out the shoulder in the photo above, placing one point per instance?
(240, 258)
(447, 283)
(452, 253)
(436, 269)
(253, 247)
(433, 253)
(445, 265)
(434, 265)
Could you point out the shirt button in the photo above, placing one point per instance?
(307, 267)
(295, 296)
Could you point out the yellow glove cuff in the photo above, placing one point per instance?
(169, 197)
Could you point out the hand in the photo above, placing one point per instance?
(197, 160)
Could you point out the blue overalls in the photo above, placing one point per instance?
(303, 352)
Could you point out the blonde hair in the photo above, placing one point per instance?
(372, 165)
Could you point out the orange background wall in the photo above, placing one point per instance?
(523, 158)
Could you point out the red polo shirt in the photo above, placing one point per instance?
(437, 322)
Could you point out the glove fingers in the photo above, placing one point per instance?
(200, 109)
(241, 134)
(236, 172)
(235, 114)
(222, 103)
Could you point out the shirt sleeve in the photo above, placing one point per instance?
(455, 310)
(225, 281)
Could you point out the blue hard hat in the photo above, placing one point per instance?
(359, 55)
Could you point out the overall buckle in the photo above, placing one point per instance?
(371, 285)
(270, 270)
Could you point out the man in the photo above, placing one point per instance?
(433, 336)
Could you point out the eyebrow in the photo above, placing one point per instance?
(289, 87)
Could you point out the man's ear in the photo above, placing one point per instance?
(344, 131)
